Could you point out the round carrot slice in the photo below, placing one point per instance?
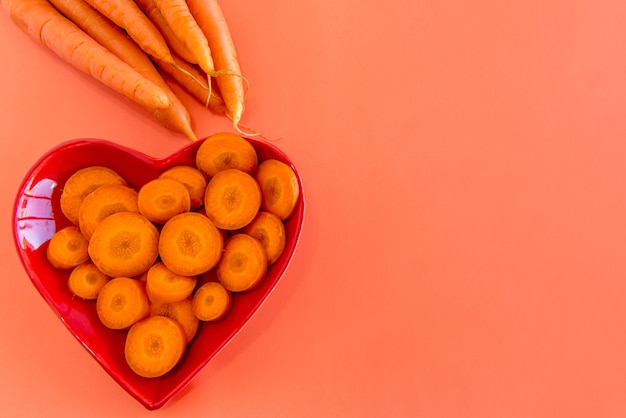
(162, 198)
(190, 244)
(181, 311)
(226, 150)
(164, 286)
(211, 302)
(83, 182)
(154, 346)
(269, 229)
(122, 301)
(124, 244)
(102, 202)
(67, 248)
(232, 199)
(280, 187)
(86, 280)
(243, 265)
(193, 179)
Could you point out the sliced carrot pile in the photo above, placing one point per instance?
(270, 231)
(190, 244)
(243, 265)
(86, 280)
(142, 254)
(280, 187)
(154, 346)
(232, 199)
(164, 286)
(121, 302)
(211, 302)
(182, 312)
(67, 248)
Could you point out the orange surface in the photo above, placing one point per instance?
(464, 247)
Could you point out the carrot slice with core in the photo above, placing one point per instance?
(226, 150)
(190, 244)
(122, 301)
(280, 187)
(211, 302)
(269, 229)
(164, 286)
(182, 312)
(243, 265)
(154, 346)
(232, 199)
(102, 202)
(124, 244)
(162, 198)
(86, 280)
(67, 248)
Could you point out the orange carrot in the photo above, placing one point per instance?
(178, 17)
(127, 15)
(175, 44)
(194, 82)
(211, 20)
(40, 20)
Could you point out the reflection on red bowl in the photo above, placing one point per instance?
(37, 215)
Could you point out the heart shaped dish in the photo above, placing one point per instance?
(37, 215)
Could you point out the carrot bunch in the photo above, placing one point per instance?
(139, 48)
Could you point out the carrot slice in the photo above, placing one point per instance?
(243, 265)
(105, 201)
(124, 244)
(154, 346)
(232, 199)
(164, 286)
(280, 187)
(190, 244)
(270, 231)
(162, 198)
(226, 150)
(122, 301)
(81, 183)
(193, 179)
(182, 312)
(67, 248)
(211, 302)
(86, 280)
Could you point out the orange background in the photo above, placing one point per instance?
(464, 248)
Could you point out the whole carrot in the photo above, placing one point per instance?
(211, 20)
(178, 17)
(41, 21)
(127, 15)
(104, 31)
(175, 44)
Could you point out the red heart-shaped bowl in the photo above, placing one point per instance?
(37, 215)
